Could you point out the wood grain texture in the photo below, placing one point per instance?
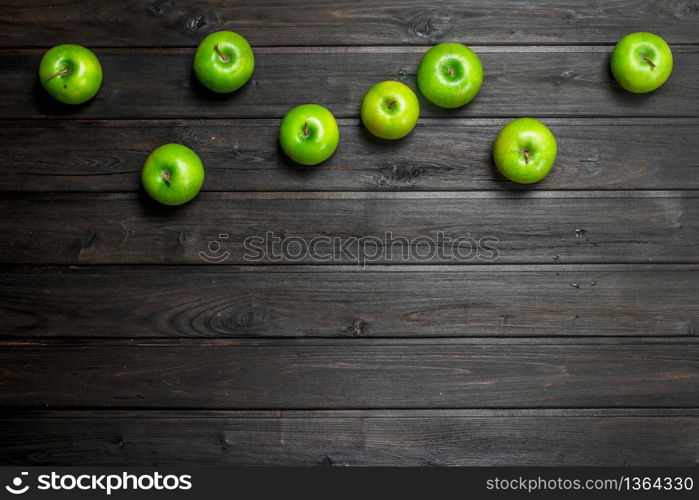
(355, 228)
(575, 346)
(524, 81)
(243, 155)
(344, 22)
(348, 374)
(384, 301)
(405, 438)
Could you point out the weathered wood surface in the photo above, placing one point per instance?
(595, 276)
(515, 227)
(523, 81)
(215, 301)
(349, 374)
(344, 22)
(407, 437)
(243, 155)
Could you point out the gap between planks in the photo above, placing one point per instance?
(141, 413)
(352, 268)
(270, 342)
(371, 195)
(357, 49)
(446, 121)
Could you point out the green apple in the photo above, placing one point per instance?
(70, 73)
(173, 174)
(390, 110)
(309, 134)
(450, 75)
(224, 61)
(524, 150)
(641, 62)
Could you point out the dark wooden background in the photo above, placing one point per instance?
(576, 347)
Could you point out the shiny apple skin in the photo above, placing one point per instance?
(641, 62)
(224, 61)
(525, 150)
(173, 174)
(390, 110)
(450, 75)
(309, 134)
(82, 80)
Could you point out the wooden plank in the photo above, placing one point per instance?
(350, 374)
(354, 228)
(406, 438)
(243, 155)
(343, 22)
(388, 301)
(518, 82)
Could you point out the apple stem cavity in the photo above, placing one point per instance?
(60, 73)
(166, 177)
(647, 59)
(223, 56)
(391, 103)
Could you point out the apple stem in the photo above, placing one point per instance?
(647, 59)
(451, 71)
(166, 177)
(306, 130)
(223, 56)
(62, 72)
(391, 104)
(526, 156)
